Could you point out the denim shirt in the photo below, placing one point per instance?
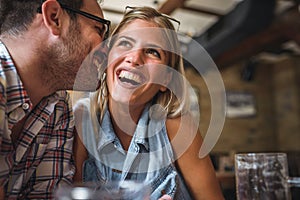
(149, 158)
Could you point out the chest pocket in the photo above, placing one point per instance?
(91, 172)
(164, 182)
(169, 181)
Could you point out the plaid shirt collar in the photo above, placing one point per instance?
(16, 93)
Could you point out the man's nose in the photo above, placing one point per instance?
(99, 55)
(103, 48)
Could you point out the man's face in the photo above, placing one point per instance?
(82, 36)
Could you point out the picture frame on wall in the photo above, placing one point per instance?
(240, 104)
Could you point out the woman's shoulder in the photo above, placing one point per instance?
(173, 125)
(180, 124)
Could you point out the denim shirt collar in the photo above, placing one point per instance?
(107, 134)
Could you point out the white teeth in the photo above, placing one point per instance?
(130, 76)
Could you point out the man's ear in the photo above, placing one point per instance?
(166, 82)
(52, 15)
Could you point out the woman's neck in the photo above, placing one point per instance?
(124, 120)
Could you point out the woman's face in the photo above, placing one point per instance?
(137, 64)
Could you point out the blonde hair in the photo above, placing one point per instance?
(174, 105)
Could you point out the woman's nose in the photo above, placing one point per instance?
(135, 58)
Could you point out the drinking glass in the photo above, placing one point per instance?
(263, 176)
(116, 190)
(125, 190)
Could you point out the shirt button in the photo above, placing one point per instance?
(25, 106)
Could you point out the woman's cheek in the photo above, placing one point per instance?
(111, 58)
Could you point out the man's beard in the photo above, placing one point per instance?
(63, 59)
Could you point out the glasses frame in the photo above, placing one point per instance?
(162, 14)
(105, 22)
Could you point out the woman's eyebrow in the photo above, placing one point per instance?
(126, 37)
(148, 45)
(155, 46)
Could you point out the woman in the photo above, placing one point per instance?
(137, 125)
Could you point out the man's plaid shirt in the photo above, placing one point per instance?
(42, 156)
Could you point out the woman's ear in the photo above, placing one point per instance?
(166, 82)
(52, 15)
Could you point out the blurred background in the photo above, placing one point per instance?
(254, 44)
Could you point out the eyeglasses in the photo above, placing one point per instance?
(106, 23)
(161, 14)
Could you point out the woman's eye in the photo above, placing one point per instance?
(153, 52)
(124, 43)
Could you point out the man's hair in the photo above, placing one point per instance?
(16, 15)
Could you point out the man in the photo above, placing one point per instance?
(42, 46)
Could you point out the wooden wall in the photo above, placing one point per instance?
(276, 90)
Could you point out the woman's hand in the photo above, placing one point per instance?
(165, 197)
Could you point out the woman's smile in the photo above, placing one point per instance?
(129, 77)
